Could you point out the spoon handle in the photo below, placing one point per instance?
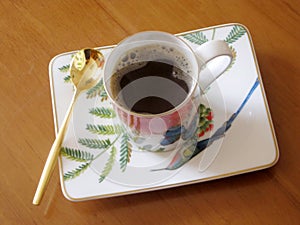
(53, 154)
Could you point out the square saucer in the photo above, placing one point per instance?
(92, 166)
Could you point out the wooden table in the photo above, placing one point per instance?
(32, 32)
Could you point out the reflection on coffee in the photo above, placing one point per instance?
(151, 86)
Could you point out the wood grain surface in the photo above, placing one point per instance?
(32, 32)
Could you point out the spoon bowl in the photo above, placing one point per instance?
(85, 68)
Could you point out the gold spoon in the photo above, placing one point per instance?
(85, 70)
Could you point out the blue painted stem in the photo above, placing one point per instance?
(201, 145)
(256, 83)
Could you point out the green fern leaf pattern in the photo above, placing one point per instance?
(235, 33)
(125, 152)
(76, 155)
(197, 38)
(103, 96)
(234, 54)
(67, 79)
(96, 90)
(76, 172)
(109, 164)
(64, 69)
(103, 112)
(95, 143)
(104, 129)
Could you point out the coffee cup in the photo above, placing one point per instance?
(152, 79)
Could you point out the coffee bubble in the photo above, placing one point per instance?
(132, 55)
(125, 58)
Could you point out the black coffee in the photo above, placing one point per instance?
(151, 87)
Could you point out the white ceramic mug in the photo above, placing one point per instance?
(170, 129)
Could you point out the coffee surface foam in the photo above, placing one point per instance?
(138, 57)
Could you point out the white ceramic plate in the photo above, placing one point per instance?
(248, 145)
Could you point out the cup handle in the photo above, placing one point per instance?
(214, 57)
